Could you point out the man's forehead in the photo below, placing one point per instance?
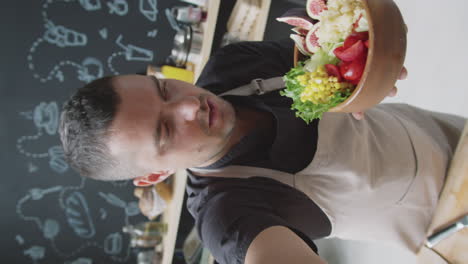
(130, 81)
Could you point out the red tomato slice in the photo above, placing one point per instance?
(352, 71)
(333, 70)
(354, 37)
(366, 43)
(357, 50)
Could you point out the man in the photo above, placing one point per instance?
(262, 183)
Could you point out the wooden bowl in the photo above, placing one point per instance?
(386, 54)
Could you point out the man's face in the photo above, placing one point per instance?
(166, 124)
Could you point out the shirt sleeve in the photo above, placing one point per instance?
(237, 64)
(230, 213)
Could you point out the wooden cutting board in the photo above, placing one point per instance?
(452, 205)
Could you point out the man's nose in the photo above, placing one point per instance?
(188, 107)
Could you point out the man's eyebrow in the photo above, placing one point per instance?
(158, 86)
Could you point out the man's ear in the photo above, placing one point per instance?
(152, 179)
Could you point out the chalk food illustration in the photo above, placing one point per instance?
(77, 218)
(80, 228)
(118, 7)
(61, 36)
(131, 52)
(36, 253)
(80, 261)
(90, 5)
(103, 33)
(45, 117)
(152, 33)
(149, 8)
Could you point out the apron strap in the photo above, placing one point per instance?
(257, 86)
(245, 172)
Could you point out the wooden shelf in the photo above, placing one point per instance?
(260, 22)
(171, 215)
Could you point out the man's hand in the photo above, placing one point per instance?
(393, 92)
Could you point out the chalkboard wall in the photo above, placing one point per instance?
(49, 214)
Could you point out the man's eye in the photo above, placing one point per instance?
(165, 136)
(164, 91)
(167, 132)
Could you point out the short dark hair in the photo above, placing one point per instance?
(84, 123)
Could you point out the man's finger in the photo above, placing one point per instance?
(393, 92)
(403, 73)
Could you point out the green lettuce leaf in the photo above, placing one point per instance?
(323, 56)
(308, 111)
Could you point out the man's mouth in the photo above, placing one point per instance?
(211, 113)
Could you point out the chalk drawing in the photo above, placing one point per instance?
(103, 213)
(118, 7)
(46, 5)
(90, 5)
(149, 8)
(51, 228)
(78, 215)
(131, 209)
(37, 193)
(103, 33)
(54, 73)
(57, 159)
(32, 167)
(34, 194)
(75, 206)
(111, 58)
(59, 76)
(64, 37)
(46, 118)
(83, 70)
(81, 261)
(19, 239)
(35, 253)
(113, 244)
(131, 52)
(134, 53)
(86, 74)
(67, 189)
(114, 200)
(152, 33)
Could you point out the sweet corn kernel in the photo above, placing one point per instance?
(319, 87)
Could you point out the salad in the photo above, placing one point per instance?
(334, 37)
